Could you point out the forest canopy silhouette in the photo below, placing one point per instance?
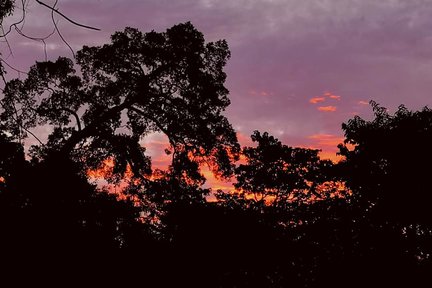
(293, 220)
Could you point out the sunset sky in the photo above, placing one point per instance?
(299, 68)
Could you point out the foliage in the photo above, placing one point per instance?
(388, 165)
(280, 176)
(169, 82)
(49, 205)
(388, 170)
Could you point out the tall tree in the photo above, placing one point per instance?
(170, 82)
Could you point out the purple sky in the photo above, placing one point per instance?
(290, 58)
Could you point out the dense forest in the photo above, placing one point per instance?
(292, 219)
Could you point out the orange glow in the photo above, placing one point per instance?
(214, 182)
(326, 190)
(328, 145)
(106, 167)
(161, 161)
(330, 155)
(327, 108)
(106, 170)
(332, 96)
(316, 100)
(328, 140)
(2, 179)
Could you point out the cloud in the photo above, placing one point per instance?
(325, 96)
(316, 100)
(362, 102)
(327, 108)
(332, 96)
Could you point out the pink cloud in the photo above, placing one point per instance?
(316, 100)
(361, 102)
(332, 96)
(327, 108)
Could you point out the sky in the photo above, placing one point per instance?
(299, 68)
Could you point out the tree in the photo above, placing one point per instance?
(280, 176)
(50, 205)
(169, 82)
(388, 164)
(387, 169)
(291, 212)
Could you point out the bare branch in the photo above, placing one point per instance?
(41, 39)
(11, 67)
(7, 43)
(53, 9)
(163, 129)
(32, 134)
(58, 31)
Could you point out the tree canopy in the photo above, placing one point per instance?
(170, 82)
(389, 163)
(102, 107)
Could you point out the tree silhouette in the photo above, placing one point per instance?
(387, 170)
(391, 154)
(280, 176)
(291, 213)
(50, 205)
(169, 82)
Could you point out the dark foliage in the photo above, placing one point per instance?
(50, 205)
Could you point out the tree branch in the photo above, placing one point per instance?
(13, 68)
(53, 9)
(155, 122)
(58, 31)
(73, 114)
(91, 128)
(31, 133)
